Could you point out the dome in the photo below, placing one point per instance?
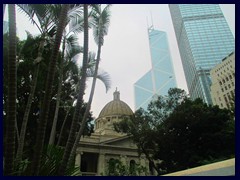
(115, 107)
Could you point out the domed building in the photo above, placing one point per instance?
(112, 112)
(105, 144)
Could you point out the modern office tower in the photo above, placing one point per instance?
(223, 82)
(204, 39)
(161, 77)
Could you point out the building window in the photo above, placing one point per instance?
(220, 82)
(227, 79)
(225, 87)
(225, 98)
(229, 86)
(132, 167)
(112, 166)
(219, 98)
(230, 76)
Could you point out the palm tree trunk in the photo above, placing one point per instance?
(17, 133)
(12, 94)
(53, 131)
(84, 120)
(73, 130)
(61, 132)
(48, 89)
(26, 115)
(29, 102)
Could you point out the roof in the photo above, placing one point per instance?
(116, 107)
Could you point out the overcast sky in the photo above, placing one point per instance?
(126, 53)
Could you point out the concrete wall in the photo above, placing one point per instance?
(223, 168)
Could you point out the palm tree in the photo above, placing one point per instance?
(75, 50)
(12, 94)
(47, 97)
(47, 16)
(45, 26)
(75, 26)
(101, 21)
(82, 83)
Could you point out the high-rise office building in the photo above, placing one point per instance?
(161, 77)
(223, 82)
(204, 39)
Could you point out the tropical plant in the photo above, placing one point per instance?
(105, 78)
(50, 161)
(48, 89)
(115, 167)
(73, 49)
(46, 27)
(101, 22)
(73, 130)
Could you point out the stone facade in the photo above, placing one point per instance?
(223, 82)
(95, 152)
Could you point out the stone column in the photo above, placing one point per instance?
(143, 160)
(78, 160)
(123, 159)
(101, 164)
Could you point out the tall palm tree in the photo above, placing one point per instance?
(73, 45)
(75, 26)
(82, 84)
(101, 22)
(70, 41)
(45, 25)
(102, 76)
(47, 19)
(12, 94)
(48, 88)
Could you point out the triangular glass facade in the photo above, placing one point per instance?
(161, 77)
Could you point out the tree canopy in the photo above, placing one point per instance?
(177, 133)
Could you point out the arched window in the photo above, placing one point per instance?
(111, 166)
(151, 169)
(132, 167)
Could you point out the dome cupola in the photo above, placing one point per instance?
(112, 112)
(116, 107)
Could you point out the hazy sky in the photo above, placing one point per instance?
(126, 53)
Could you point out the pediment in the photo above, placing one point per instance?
(125, 141)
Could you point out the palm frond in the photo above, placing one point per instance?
(101, 75)
(101, 22)
(72, 48)
(29, 12)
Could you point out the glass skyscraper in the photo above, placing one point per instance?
(204, 39)
(161, 77)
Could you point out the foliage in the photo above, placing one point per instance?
(26, 53)
(29, 53)
(50, 161)
(115, 167)
(181, 133)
